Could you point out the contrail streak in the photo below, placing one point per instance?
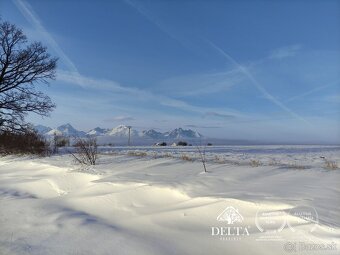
(241, 68)
(28, 12)
(257, 85)
(312, 91)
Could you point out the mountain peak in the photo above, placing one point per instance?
(67, 125)
(41, 129)
(120, 131)
(182, 133)
(151, 133)
(97, 131)
(66, 130)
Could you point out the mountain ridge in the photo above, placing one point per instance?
(118, 131)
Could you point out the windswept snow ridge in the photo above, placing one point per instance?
(165, 205)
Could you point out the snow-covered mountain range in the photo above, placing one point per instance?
(65, 130)
(120, 131)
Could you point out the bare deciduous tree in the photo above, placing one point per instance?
(22, 66)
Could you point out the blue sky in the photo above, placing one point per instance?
(261, 70)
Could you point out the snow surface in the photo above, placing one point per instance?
(156, 201)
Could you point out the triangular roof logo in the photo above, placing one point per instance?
(230, 215)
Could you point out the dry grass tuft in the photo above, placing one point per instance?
(218, 159)
(186, 158)
(273, 162)
(155, 155)
(167, 155)
(255, 163)
(137, 153)
(296, 166)
(332, 165)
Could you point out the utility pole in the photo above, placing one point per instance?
(129, 127)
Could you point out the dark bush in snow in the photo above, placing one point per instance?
(24, 142)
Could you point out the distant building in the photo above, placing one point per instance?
(180, 143)
(160, 144)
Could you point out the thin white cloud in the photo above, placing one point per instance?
(281, 53)
(112, 86)
(74, 77)
(119, 118)
(201, 84)
(199, 126)
(285, 52)
(88, 82)
(27, 11)
(312, 91)
(219, 115)
(258, 86)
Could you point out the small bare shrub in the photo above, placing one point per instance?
(86, 151)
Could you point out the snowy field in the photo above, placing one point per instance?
(155, 200)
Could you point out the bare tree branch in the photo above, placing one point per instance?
(22, 66)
